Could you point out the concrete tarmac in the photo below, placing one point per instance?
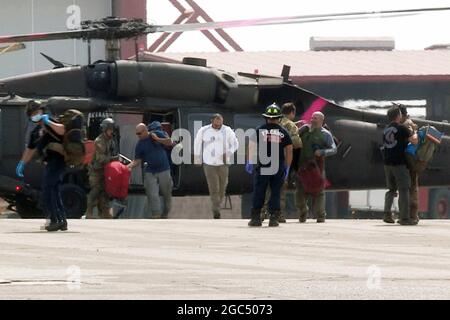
(224, 259)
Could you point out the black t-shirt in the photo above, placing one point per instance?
(271, 136)
(395, 141)
(40, 138)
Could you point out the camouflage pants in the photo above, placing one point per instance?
(318, 203)
(415, 168)
(97, 197)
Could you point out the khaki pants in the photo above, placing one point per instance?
(318, 203)
(217, 179)
(97, 197)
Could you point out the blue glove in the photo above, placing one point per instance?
(19, 169)
(249, 168)
(45, 119)
(286, 173)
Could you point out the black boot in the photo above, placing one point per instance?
(281, 218)
(255, 218)
(63, 225)
(273, 221)
(53, 226)
(388, 217)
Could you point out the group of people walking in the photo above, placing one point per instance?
(280, 152)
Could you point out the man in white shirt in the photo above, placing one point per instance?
(214, 146)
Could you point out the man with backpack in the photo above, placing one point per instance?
(318, 143)
(46, 132)
(415, 166)
(417, 157)
(395, 140)
(105, 152)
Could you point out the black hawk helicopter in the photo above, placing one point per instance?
(180, 94)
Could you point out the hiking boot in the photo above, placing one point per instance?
(54, 226)
(407, 222)
(281, 218)
(89, 214)
(388, 218)
(255, 218)
(216, 215)
(415, 218)
(274, 218)
(63, 225)
(302, 218)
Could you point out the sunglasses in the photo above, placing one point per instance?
(139, 133)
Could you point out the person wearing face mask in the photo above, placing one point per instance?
(47, 131)
(106, 151)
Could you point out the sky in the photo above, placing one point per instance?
(410, 33)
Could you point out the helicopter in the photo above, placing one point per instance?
(179, 94)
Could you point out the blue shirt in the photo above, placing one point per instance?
(153, 153)
(412, 148)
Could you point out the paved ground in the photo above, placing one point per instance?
(209, 259)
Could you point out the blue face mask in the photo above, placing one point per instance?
(36, 118)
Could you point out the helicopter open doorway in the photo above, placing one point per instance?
(126, 138)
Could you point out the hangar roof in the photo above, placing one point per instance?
(336, 66)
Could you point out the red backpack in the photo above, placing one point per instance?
(117, 179)
(311, 178)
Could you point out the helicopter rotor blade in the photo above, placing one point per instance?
(294, 19)
(73, 34)
(113, 28)
(11, 48)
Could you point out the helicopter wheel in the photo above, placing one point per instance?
(74, 200)
(439, 204)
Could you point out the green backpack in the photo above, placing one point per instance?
(427, 145)
(73, 140)
(426, 150)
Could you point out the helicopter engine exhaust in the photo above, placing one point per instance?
(157, 80)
